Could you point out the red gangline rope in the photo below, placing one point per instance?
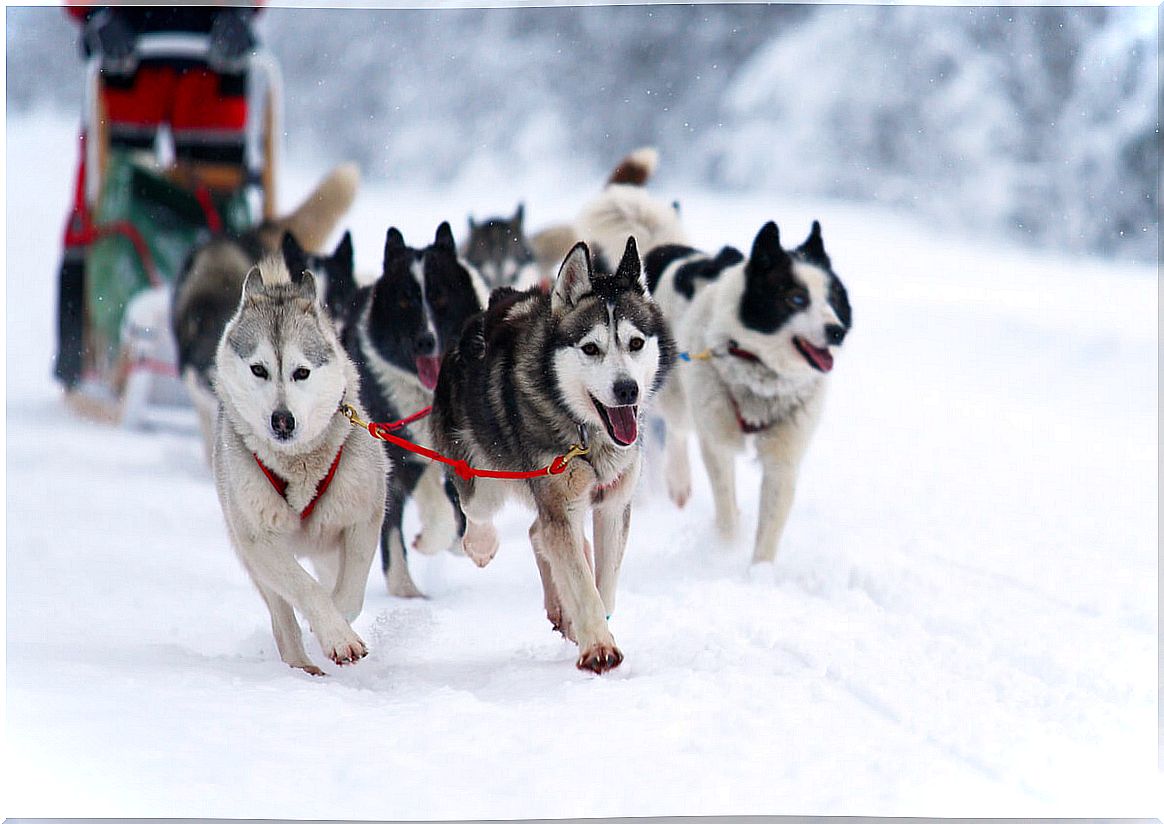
(383, 432)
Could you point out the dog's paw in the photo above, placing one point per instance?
(561, 626)
(480, 542)
(310, 669)
(600, 658)
(679, 490)
(400, 584)
(348, 651)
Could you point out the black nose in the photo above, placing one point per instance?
(835, 334)
(626, 392)
(425, 344)
(283, 422)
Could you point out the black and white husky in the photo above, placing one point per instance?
(294, 477)
(532, 375)
(770, 324)
(397, 330)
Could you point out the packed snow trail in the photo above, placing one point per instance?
(961, 621)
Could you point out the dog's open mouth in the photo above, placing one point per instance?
(622, 422)
(428, 369)
(819, 359)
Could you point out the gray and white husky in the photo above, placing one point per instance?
(294, 477)
(532, 375)
(770, 322)
(500, 252)
(206, 290)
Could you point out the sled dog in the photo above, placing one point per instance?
(770, 326)
(623, 208)
(532, 375)
(294, 477)
(499, 251)
(397, 330)
(206, 290)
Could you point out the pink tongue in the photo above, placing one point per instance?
(624, 423)
(428, 369)
(821, 357)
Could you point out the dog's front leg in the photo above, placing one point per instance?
(558, 538)
(776, 494)
(673, 406)
(480, 499)
(358, 548)
(438, 521)
(611, 525)
(781, 450)
(275, 567)
(285, 626)
(550, 599)
(720, 460)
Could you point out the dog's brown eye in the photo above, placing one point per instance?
(590, 349)
(259, 371)
(300, 374)
(636, 344)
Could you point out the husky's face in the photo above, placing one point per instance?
(612, 346)
(420, 303)
(792, 313)
(498, 249)
(279, 364)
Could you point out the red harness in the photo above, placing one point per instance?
(746, 427)
(281, 485)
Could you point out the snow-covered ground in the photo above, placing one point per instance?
(962, 619)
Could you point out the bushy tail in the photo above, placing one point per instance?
(318, 215)
(274, 270)
(636, 168)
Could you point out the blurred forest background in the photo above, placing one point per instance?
(1037, 123)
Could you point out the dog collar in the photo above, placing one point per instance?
(743, 354)
(280, 484)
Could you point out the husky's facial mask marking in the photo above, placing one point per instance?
(609, 353)
(420, 303)
(794, 298)
(284, 377)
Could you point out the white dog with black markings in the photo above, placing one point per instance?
(294, 477)
(769, 325)
(761, 330)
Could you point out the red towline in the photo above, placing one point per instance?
(383, 432)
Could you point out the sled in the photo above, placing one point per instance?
(136, 219)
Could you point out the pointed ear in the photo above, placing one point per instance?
(393, 245)
(253, 283)
(630, 268)
(813, 248)
(293, 256)
(343, 250)
(573, 279)
(519, 216)
(766, 249)
(307, 289)
(444, 237)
